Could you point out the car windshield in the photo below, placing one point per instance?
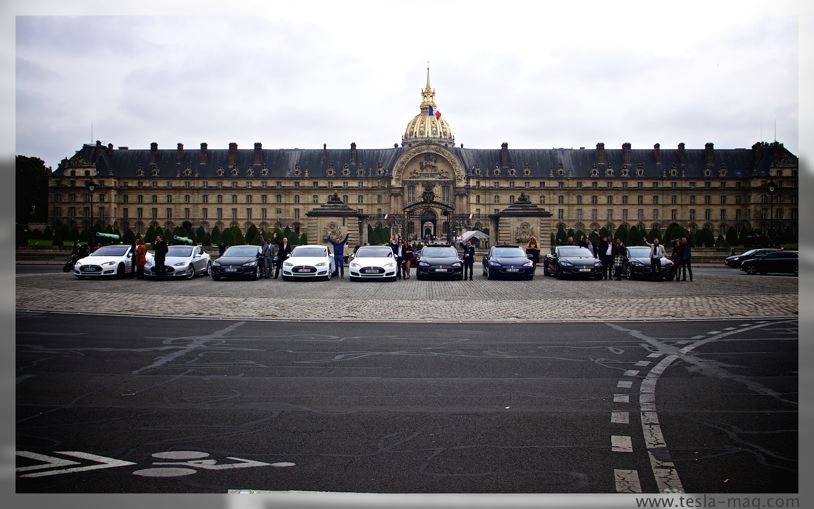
(110, 251)
(439, 252)
(639, 252)
(508, 252)
(750, 252)
(311, 252)
(179, 251)
(575, 251)
(241, 251)
(374, 252)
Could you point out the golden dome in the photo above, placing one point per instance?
(428, 124)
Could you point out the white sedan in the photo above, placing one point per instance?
(182, 261)
(115, 260)
(373, 262)
(308, 262)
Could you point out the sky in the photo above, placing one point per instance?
(534, 75)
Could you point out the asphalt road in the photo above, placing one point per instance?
(115, 404)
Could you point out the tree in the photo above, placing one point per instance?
(62, 234)
(226, 237)
(251, 234)
(149, 235)
(705, 238)
(622, 233)
(31, 190)
(207, 239)
(721, 241)
(237, 236)
(200, 234)
(304, 238)
(561, 236)
(732, 236)
(128, 237)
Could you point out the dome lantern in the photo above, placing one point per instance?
(428, 126)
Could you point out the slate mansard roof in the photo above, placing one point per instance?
(480, 163)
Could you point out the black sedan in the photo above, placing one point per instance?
(507, 261)
(637, 265)
(735, 261)
(439, 261)
(239, 262)
(780, 261)
(573, 261)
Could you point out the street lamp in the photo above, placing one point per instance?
(771, 188)
(91, 186)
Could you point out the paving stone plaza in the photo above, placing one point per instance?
(715, 293)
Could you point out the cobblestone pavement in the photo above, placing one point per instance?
(714, 294)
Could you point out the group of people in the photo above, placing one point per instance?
(403, 251)
(272, 255)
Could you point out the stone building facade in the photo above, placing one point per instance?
(428, 186)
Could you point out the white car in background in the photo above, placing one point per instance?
(115, 261)
(308, 262)
(182, 262)
(373, 262)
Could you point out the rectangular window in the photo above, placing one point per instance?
(205, 213)
(360, 199)
(692, 215)
(610, 185)
(315, 184)
(624, 200)
(205, 198)
(139, 212)
(296, 213)
(542, 200)
(220, 198)
(707, 200)
(234, 214)
(154, 212)
(579, 199)
(579, 185)
(673, 199)
(248, 185)
(527, 185)
(249, 198)
(169, 198)
(186, 212)
(639, 185)
(361, 184)
(560, 184)
(655, 214)
(511, 184)
(264, 198)
(315, 198)
(579, 215)
(723, 214)
(594, 200)
(560, 200)
(125, 198)
(154, 198)
(477, 198)
(279, 198)
(345, 184)
(124, 212)
(673, 215)
(610, 199)
(594, 214)
(248, 213)
(497, 184)
(723, 200)
(640, 199)
(708, 214)
(624, 185)
(610, 215)
(560, 214)
(169, 213)
(296, 185)
(692, 199)
(594, 185)
(219, 213)
(640, 215)
(234, 198)
(497, 198)
(655, 185)
(624, 215)
(511, 198)
(655, 200)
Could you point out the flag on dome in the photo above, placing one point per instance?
(429, 110)
(437, 114)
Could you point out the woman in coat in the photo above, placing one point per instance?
(408, 258)
(141, 257)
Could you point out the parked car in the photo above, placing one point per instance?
(507, 261)
(114, 260)
(244, 261)
(572, 261)
(735, 261)
(637, 264)
(439, 260)
(373, 262)
(780, 261)
(308, 262)
(182, 262)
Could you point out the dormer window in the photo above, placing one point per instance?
(331, 172)
(561, 172)
(673, 172)
(512, 172)
(250, 172)
(346, 171)
(594, 172)
(526, 172)
(625, 172)
(477, 171)
(609, 172)
(154, 172)
(234, 172)
(360, 172)
(219, 172)
(264, 172)
(722, 172)
(380, 171)
(707, 172)
(497, 172)
(139, 172)
(187, 172)
(639, 172)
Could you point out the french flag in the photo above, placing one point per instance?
(429, 110)
(437, 114)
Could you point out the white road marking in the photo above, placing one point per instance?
(714, 332)
(621, 443)
(620, 417)
(643, 363)
(627, 481)
(164, 472)
(180, 455)
(655, 355)
(700, 336)
(632, 372)
(102, 462)
(729, 328)
(47, 461)
(624, 384)
(621, 398)
(283, 464)
(197, 342)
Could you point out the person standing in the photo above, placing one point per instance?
(533, 253)
(133, 257)
(686, 259)
(221, 248)
(606, 257)
(408, 258)
(656, 252)
(160, 247)
(398, 254)
(140, 257)
(619, 255)
(283, 250)
(269, 252)
(469, 259)
(339, 252)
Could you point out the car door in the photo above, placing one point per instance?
(198, 261)
(787, 262)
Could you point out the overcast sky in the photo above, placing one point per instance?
(533, 75)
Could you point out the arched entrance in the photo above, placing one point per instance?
(428, 222)
(425, 220)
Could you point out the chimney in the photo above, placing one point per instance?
(204, 153)
(682, 157)
(757, 152)
(258, 154)
(97, 149)
(657, 153)
(324, 151)
(709, 154)
(153, 153)
(179, 156)
(353, 156)
(504, 155)
(626, 153)
(232, 155)
(600, 153)
(110, 147)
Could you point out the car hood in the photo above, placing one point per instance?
(579, 260)
(373, 261)
(646, 260)
(445, 259)
(510, 260)
(235, 260)
(98, 260)
(307, 260)
(172, 260)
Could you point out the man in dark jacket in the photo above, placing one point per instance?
(283, 250)
(339, 251)
(686, 259)
(398, 254)
(619, 253)
(161, 249)
(469, 259)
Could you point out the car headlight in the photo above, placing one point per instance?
(566, 263)
(214, 264)
(354, 265)
(288, 264)
(424, 264)
(389, 265)
(322, 264)
(494, 263)
(456, 264)
(637, 263)
(250, 264)
(528, 264)
(108, 264)
(179, 264)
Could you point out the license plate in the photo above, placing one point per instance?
(512, 270)
(585, 270)
(231, 269)
(370, 271)
(440, 270)
(301, 270)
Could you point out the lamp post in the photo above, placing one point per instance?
(91, 186)
(771, 188)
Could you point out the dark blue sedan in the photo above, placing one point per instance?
(507, 261)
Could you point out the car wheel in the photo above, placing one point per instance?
(627, 273)
(490, 276)
(214, 277)
(531, 276)
(751, 270)
(208, 268)
(556, 273)
(418, 276)
(257, 273)
(190, 272)
(120, 271)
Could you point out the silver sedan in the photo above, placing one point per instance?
(182, 261)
